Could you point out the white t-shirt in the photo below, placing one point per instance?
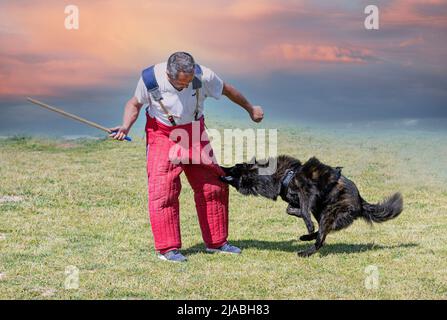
(178, 103)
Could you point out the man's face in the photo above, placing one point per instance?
(183, 80)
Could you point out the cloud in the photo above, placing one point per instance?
(414, 13)
(236, 38)
(411, 42)
(249, 9)
(39, 75)
(317, 53)
(410, 122)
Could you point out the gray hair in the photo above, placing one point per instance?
(180, 62)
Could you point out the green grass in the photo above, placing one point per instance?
(85, 205)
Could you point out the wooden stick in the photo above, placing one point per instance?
(69, 115)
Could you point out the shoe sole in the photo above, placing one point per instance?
(209, 250)
(161, 257)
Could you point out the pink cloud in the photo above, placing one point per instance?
(25, 76)
(408, 13)
(411, 42)
(317, 53)
(257, 9)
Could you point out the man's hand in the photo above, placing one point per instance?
(120, 134)
(256, 114)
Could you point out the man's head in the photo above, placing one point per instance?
(180, 69)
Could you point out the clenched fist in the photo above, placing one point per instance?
(256, 114)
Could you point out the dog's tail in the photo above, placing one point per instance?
(386, 210)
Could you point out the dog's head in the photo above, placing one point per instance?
(242, 176)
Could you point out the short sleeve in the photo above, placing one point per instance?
(141, 92)
(212, 84)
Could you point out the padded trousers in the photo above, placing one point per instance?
(169, 153)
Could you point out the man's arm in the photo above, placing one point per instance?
(234, 95)
(131, 111)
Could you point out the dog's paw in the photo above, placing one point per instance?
(294, 211)
(308, 237)
(311, 229)
(305, 253)
(305, 237)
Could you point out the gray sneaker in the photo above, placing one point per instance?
(226, 248)
(172, 256)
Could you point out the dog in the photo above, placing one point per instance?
(311, 188)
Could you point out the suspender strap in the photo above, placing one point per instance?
(152, 87)
(196, 112)
(197, 81)
(170, 116)
(151, 83)
(196, 85)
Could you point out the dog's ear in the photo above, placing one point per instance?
(251, 166)
(338, 170)
(335, 175)
(263, 163)
(227, 170)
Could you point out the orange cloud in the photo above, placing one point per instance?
(50, 77)
(250, 9)
(410, 13)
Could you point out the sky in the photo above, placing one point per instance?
(308, 60)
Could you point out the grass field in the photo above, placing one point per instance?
(84, 204)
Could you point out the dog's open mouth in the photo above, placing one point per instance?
(226, 179)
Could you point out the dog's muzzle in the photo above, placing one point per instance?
(226, 179)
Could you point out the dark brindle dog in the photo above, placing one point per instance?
(312, 188)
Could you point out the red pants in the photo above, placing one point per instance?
(202, 172)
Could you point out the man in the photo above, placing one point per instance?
(175, 92)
